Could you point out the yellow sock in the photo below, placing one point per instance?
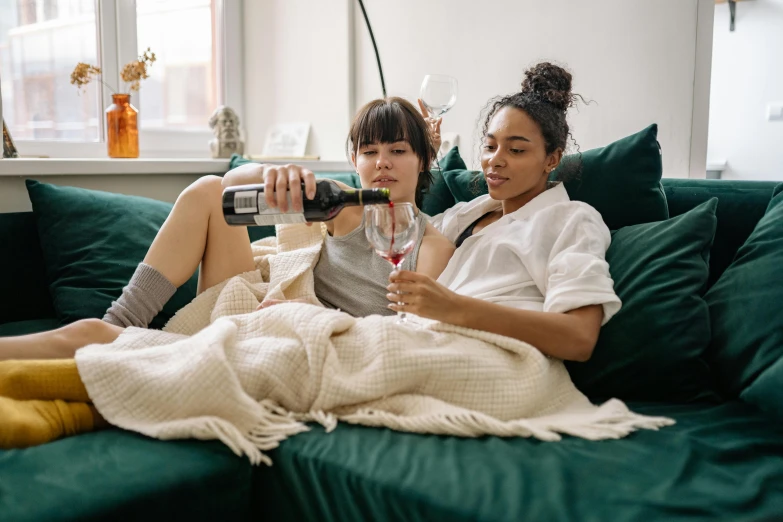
(46, 379)
(30, 423)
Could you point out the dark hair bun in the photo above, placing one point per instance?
(551, 83)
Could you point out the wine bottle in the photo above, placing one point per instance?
(245, 205)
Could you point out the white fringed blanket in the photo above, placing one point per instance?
(251, 380)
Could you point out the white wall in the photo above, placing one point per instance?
(297, 69)
(635, 59)
(747, 75)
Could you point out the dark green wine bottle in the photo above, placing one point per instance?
(245, 205)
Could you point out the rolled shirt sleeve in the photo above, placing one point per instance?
(577, 271)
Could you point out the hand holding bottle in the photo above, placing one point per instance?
(277, 179)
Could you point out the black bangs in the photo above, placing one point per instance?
(382, 123)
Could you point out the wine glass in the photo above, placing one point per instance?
(438, 93)
(392, 230)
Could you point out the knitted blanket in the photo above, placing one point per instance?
(250, 379)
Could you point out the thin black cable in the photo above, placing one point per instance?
(374, 46)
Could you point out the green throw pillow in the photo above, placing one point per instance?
(745, 308)
(439, 197)
(622, 180)
(92, 242)
(652, 349)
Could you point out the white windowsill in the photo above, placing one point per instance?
(145, 166)
(106, 166)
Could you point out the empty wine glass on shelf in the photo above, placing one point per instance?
(438, 93)
(392, 231)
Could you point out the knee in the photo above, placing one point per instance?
(89, 331)
(205, 190)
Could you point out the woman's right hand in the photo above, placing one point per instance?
(277, 180)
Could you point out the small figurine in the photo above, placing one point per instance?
(224, 123)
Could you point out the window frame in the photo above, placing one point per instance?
(117, 44)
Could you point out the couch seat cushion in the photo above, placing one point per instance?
(717, 463)
(118, 475)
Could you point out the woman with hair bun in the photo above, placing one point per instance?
(530, 263)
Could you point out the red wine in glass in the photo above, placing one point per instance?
(395, 257)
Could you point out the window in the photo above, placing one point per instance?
(196, 43)
(181, 92)
(39, 46)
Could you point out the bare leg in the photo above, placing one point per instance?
(196, 232)
(58, 344)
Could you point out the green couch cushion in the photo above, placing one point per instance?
(766, 391)
(92, 243)
(439, 197)
(28, 327)
(653, 348)
(23, 270)
(742, 203)
(118, 475)
(718, 462)
(745, 308)
(622, 180)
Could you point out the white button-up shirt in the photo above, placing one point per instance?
(547, 256)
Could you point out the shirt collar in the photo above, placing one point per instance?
(548, 198)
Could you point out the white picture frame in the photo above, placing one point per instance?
(287, 140)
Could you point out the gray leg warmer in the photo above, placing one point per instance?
(144, 297)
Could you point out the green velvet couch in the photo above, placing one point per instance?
(722, 460)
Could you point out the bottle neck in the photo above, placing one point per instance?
(365, 196)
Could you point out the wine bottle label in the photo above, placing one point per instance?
(266, 216)
(245, 202)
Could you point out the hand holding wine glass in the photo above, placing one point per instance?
(392, 230)
(438, 94)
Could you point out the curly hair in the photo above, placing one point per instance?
(546, 97)
(389, 120)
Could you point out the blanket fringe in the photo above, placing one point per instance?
(613, 420)
(273, 426)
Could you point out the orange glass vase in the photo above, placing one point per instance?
(122, 127)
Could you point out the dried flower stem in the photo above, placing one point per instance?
(132, 73)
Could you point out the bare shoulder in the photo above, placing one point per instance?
(434, 240)
(434, 254)
(433, 234)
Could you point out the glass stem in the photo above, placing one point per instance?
(401, 317)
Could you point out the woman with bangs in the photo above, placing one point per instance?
(390, 146)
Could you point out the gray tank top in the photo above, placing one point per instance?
(350, 276)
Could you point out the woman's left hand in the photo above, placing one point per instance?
(423, 296)
(434, 124)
